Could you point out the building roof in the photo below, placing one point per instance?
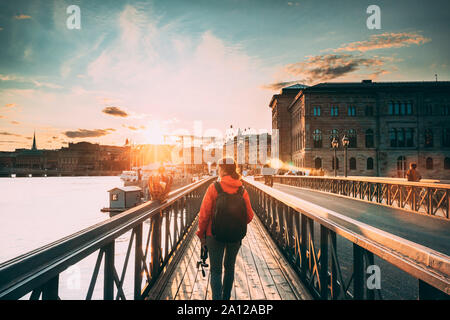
(368, 84)
(126, 189)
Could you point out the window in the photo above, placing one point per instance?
(393, 137)
(369, 111)
(446, 137)
(317, 138)
(396, 108)
(114, 197)
(428, 138)
(428, 111)
(334, 111)
(334, 134)
(429, 163)
(369, 138)
(401, 166)
(409, 108)
(352, 164)
(351, 111)
(391, 108)
(352, 138)
(316, 111)
(409, 137)
(446, 110)
(337, 163)
(402, 108)
(447, 163)
(369, 164)
(400, 138)
(318, 163)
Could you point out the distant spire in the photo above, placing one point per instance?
(34, 148)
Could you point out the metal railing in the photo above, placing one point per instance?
(291, 222)
(39, 271)
(427, 198)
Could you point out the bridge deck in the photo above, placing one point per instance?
(261, 272)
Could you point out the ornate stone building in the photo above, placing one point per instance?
(389, 125)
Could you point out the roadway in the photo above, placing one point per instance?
(430, 232)
(427, 231)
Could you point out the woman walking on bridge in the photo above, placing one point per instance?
(223, 218)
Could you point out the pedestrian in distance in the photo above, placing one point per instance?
(413, 174)
(223, 218)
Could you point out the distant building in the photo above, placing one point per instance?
(389, 124)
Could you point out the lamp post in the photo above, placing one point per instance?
(345, 142)
(335, 145)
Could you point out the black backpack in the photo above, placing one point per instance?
(229, 221)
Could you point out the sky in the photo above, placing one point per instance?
(140, 69)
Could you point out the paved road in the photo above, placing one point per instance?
(427, 231)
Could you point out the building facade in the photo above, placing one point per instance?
(389, 126)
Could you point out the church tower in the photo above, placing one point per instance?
(34, 148)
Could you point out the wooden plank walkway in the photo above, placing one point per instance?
(261, 272)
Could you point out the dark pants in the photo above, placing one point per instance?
(216, 250)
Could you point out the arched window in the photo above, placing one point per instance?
(401, 166)
(369, 138)
(318, 163)
(334, 134)
(429, 163)
(369, 164)
(428, 138)
(317, 138)
(337, 163)
(447, 163)
(352, 164)
(352, 138)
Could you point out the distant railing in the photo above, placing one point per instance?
(427, 198)
(291, 222)
(39, 271)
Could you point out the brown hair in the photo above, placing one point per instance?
(229, 167)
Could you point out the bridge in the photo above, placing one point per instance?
(312, 238)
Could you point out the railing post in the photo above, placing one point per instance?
(50, 289)
(156, 245)
(358, 272)
(108, 281)
(303, 245)
(323, 263)
(138, 262)
(334, 274)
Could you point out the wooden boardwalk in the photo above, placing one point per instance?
(261, 272)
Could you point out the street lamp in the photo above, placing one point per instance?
(335, 145)
(345, 143)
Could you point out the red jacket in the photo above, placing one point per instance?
(229, 185)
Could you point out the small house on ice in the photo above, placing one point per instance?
(124, 197)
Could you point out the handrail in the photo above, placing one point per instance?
(38, 271)
(291, 220)
(432, 199)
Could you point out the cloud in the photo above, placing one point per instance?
(10, 105)
(130, 127)
(85, 133)
(15, 122)
(2, 117)
(22, 17)
(280, 85)
(1, 29)
(5, 133)
(331, 66)
(115, 111)
(384, 41)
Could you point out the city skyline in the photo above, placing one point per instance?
(140, 70)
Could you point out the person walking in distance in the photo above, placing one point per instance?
(223, 218)
(413, 174)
